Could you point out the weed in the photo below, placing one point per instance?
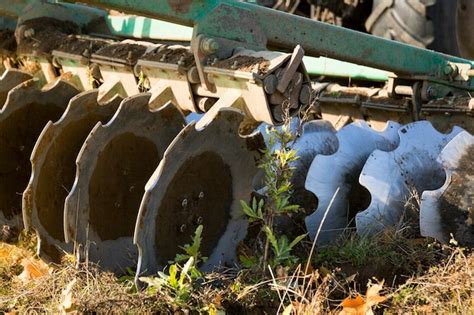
(277, 166)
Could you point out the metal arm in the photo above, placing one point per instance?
(258, 26)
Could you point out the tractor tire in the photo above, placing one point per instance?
(433, 24)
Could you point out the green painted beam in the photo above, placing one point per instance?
(141, 27)
(323, 66)
(248, 22)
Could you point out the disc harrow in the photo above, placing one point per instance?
(113, 166)
(54, 168)
(117, 176)
(199, 183)
(340, 170)
(393, 177)
(448, 211)
(27, 110)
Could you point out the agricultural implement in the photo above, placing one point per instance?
(120, 134)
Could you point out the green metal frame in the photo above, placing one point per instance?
(260, 27)
(344, 52)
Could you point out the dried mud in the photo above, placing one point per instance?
(244, 63)
(457, 202)
(80, 46)
(47, 35)
(175, 56)
(117, 184)
(200, 193)
(129, 53)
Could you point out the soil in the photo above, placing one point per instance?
(165, 54)
(47, 35)
(117, 184)
(200, 193)
(7, 41)
(244, 63)
(18, 135)
(80, 46)
(456, 207)
(127, 52)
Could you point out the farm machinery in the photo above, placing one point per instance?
(127, 124)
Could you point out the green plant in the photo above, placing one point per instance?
(276, 163)
(178, 283)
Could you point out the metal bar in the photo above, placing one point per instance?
(141, 27)
(225, 18)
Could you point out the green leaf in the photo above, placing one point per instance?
(247, 210)
(248, 262)
(297, 240)
(173, 280)
(291, 208)
(185, 270)
(271, 238)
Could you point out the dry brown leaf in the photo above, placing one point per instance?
(218, 300)
(372, 294)
(33, 269)
(10, 254)
(354, 306)
(361, 306)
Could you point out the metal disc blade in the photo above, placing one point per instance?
(11, 78)
(200, 181)
(113, 166)
(27, 110)
(450, 209)
(341, 170)
(393, 177)
(318, 137)
(54, 166)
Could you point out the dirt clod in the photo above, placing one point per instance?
(72, 44)
(180, 56)
(42, 35)
(244, 63)
(456, 207)
(123, 51)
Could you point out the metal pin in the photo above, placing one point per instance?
(181, 61)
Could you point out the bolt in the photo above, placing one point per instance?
(181, 61)
(86, 53)
(305, 94)
(209, 46)
(29, 33)
(432, 92)
(270, 83)
(130, 56)
(450, 70)
(193, 75)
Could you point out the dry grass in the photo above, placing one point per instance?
(436, 279)
(447, 288)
